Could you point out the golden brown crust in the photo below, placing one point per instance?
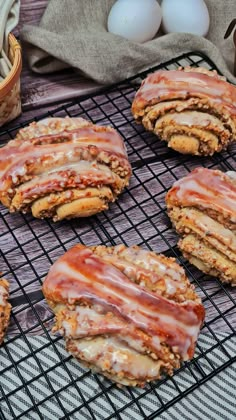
(193, 110)
(5, 308)
(123, 377)
(72, 203)
(212, 260)
(92, 291)
(131, 259)
(54, 164)
(202, 208)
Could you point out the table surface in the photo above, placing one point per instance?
(39, 92)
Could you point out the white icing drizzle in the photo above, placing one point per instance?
(213, 229)
(86, 321)
(16, 153)
(206, 188)
(83, 172)
(111, 354)
(154, 262)
(193, 118)
(232, 175)
(163, 84)
(3, 295)
(88, 277)
(171, 278)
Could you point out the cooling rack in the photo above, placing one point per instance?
(39, 380)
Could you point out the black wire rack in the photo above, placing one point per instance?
(39, 380)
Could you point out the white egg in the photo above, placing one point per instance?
(190, 16)
(136, 20)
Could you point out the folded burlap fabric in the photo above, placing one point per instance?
(74, 33)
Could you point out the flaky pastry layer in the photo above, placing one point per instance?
(63, 168)
(202, 208)
(192, 109)
(5, 308)
(127, 313)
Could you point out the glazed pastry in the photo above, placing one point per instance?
(124, 312)
(63, 168)
(5, 308)
(192, 109)
(202, 208)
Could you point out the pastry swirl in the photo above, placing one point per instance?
(127, 313)
(63, 168)
(5, 308)
(192, 109)
(202, 208)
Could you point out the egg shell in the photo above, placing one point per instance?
(189, 16)
(136, 20)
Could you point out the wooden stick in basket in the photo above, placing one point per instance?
(231, 26)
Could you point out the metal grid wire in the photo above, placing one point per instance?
(39, 380)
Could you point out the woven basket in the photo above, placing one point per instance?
(10, 101)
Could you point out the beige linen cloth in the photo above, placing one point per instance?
(73, 33)
(9, 17)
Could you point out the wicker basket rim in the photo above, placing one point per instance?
(7, 84)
